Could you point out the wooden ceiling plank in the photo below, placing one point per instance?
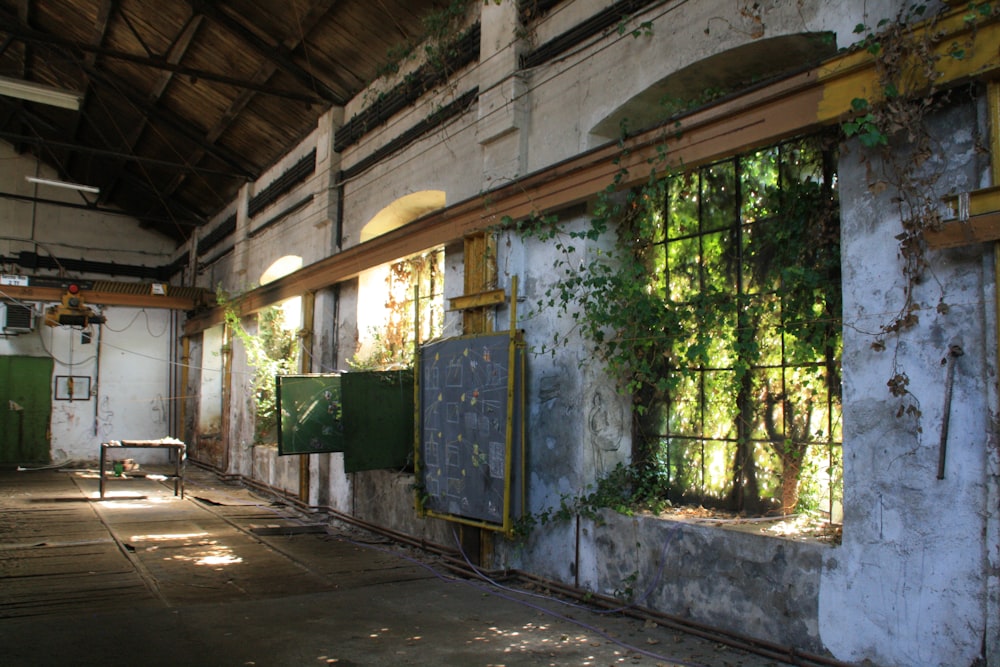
(174, 55)
(180, 125)
(263, 74)
(274, 52)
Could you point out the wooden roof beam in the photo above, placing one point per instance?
(103, 152)
(23, 34)
(274, 52)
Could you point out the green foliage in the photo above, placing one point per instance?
(864, 125)
(439, 36)
(392, 344)
(651, 282)
(644, 29)
(626, 489)
(272, 351)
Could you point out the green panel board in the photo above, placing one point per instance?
(25, 409)
(310, 414)
(378, 420)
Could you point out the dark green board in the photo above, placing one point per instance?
(310, 414)
(378, 420)
(366, 415)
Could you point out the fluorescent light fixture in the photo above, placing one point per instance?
(37, 92)
(63, 184)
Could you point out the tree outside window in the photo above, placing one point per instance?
(745, 253)
(392, 343)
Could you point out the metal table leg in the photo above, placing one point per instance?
(104, 448)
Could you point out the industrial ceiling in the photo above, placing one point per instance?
(183, 101)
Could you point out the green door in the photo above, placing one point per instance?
(25, 406)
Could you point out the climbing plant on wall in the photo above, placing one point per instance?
(391, 345)
(719, 416)
(892, 123)
(717, 309)
(271, 351)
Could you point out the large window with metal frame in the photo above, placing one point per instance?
(747, 251)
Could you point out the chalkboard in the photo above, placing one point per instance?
(378, 420)
(310, 414)
(470, 452)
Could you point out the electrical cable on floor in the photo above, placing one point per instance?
(51, 466)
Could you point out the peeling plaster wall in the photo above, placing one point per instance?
(908, 586)
(578, 424)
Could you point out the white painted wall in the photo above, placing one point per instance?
(67, 232)
(133, 388)
(911, 581)
(126, 363)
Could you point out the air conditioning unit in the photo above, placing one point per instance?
(18, 318)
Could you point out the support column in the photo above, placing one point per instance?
(501, 126)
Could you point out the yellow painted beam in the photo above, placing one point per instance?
(482, 300)
(958, 50)
(93, 298)
(985, 200)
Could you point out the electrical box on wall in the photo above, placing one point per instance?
(18, 318)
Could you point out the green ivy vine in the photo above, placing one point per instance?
(272, 351)
(906, 57)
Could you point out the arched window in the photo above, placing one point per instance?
(386, 307)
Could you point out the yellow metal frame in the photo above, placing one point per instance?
(515, 348)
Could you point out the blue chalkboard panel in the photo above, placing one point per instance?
(470, 451)
(310, 414)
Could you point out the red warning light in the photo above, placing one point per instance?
(73, 288)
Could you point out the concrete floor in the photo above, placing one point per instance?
(228, 577)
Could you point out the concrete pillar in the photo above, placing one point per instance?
(502, 120)
(328, 167)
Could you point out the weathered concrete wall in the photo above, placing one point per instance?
(909, 584)
(747, 583)
(386, 498)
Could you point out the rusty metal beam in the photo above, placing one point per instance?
(795, 105)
